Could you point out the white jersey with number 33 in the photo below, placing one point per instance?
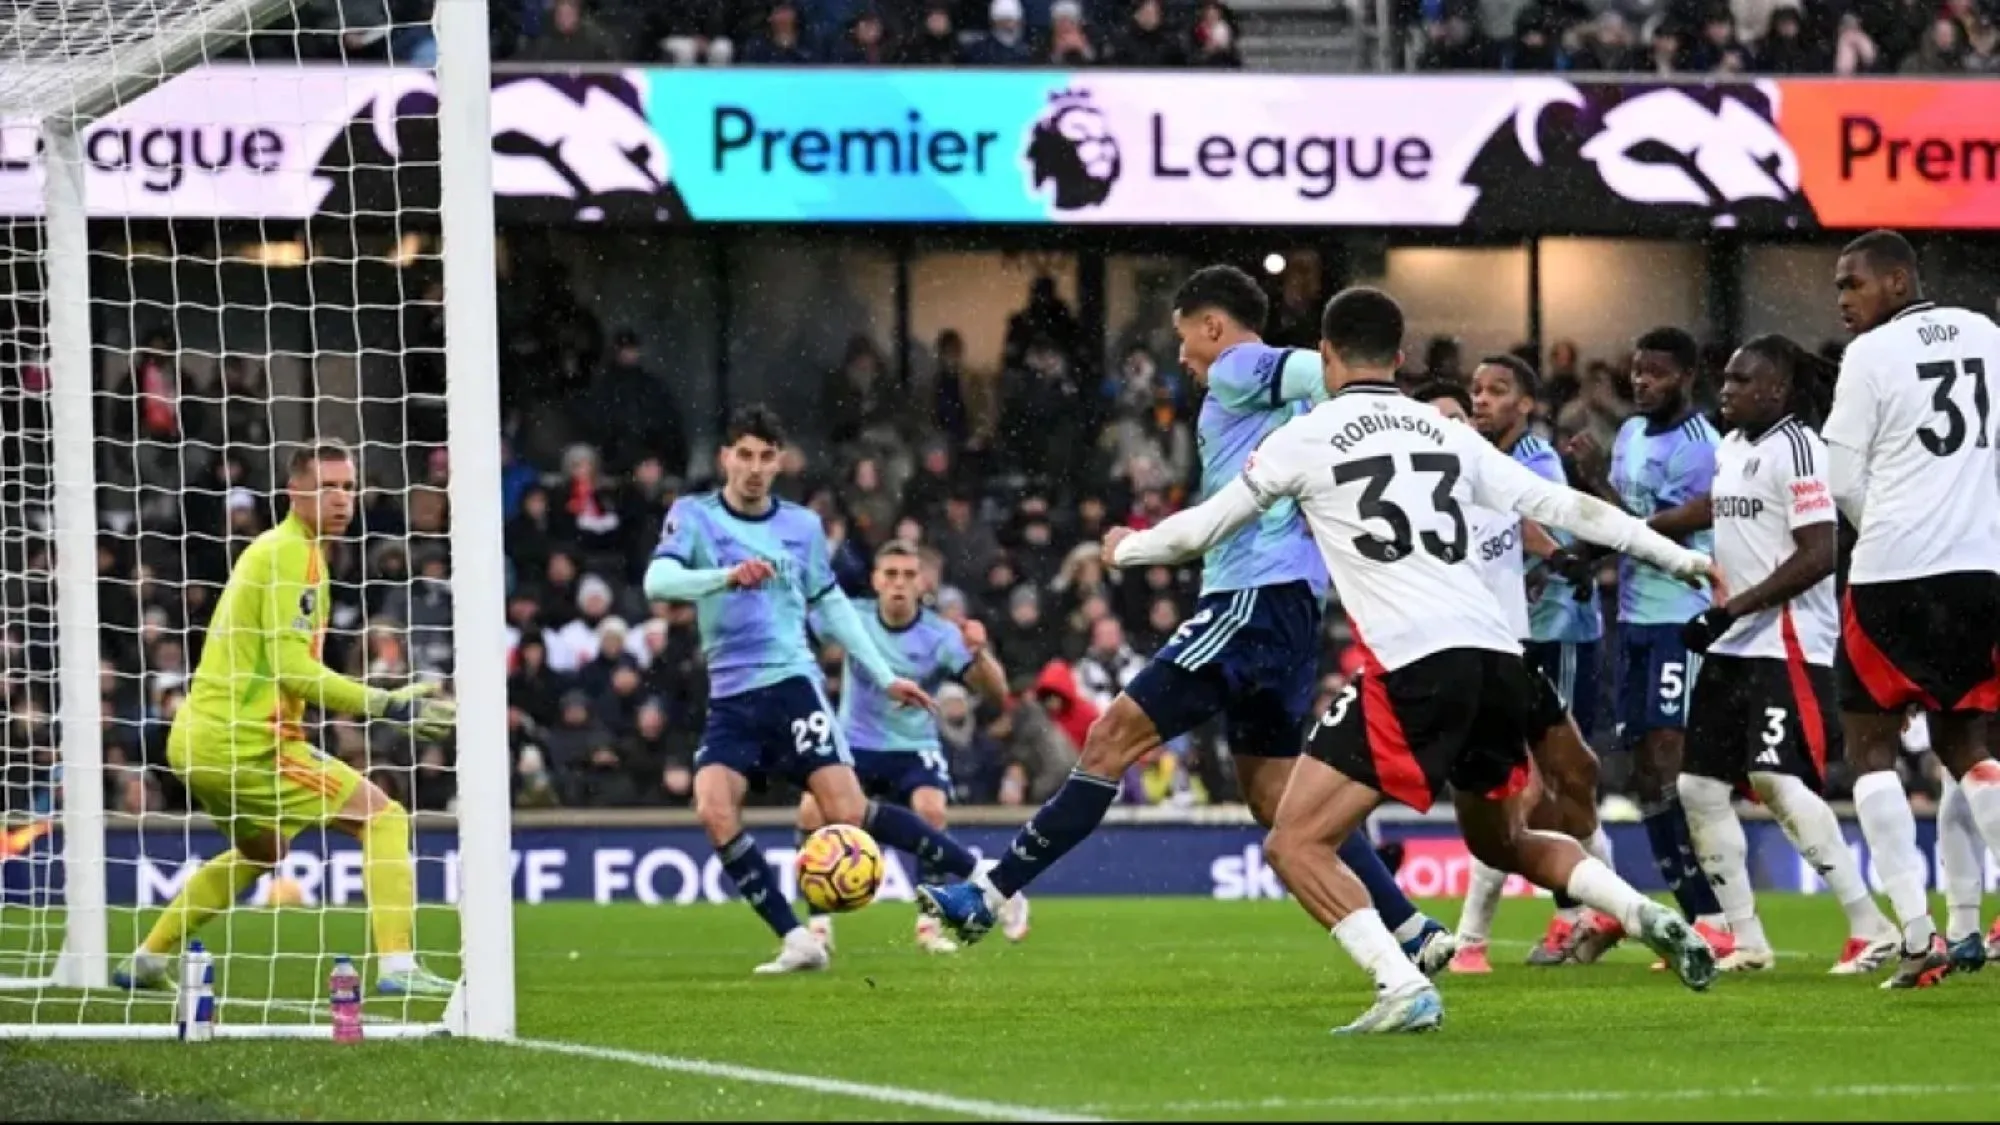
(1385, 483)
(1764, 491)
(1916, 400)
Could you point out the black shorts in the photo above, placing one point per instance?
(1545, 706)
(1923, 641)
(1458, 717)
(1762, 715)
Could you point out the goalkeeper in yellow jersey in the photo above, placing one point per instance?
(238, 746)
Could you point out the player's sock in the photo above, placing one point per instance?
(389, 881)
(1815, 831)
(1599, 847)
(1375, 949)
(1961, 861)
(1890, 827)
(1482, 902)
(1597, 886)
(1072, 814)
(1724, 854)
(209, 891)
(898, 827)
(1391, 904)
(1981, 789)
(932, 872)
(745, 863)
(1673, 854)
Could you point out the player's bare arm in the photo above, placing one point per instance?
(1683, 520)
(986, 675)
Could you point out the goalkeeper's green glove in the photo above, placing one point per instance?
(425, 718)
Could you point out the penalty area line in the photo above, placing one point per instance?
(756, 1076)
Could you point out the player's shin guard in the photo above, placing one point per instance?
(1391, 904)
(757, 883)
(1673, 853)
(1961, 861)
(390, 882)
(1815, 831)
(1890, 828)
(209, 891)
(1724, 854)
(1072, 814)
(900, 828)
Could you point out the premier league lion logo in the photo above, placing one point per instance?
(1072, 147)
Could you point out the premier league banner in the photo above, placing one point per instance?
(1504, 153)
(675, 866)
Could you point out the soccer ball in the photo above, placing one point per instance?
(839, 868)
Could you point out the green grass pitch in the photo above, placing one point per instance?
(1113, 1009)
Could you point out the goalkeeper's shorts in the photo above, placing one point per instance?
(251, 784)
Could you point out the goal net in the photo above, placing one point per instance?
(223, 241)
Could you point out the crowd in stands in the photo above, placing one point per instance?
(1720, 37)
(1006, 481)
(1129, 33)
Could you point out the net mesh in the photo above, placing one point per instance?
(263, 273)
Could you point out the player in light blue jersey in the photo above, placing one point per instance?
(1250, 653)
(1663, 458)
(755, 566)
(897, 753)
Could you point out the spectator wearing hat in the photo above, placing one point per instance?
(1069, 42)
(1006, 40)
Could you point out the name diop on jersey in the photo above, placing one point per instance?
(1368, 425)
(1738, 507)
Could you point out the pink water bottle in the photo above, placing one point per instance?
(344, 993)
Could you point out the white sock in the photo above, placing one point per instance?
(1961, 861)
(1599, 847)
(1482, 901)
(1981, 786)
(1815, 831)
(983, 879)
(1891, 831)
(1411, 927)
(1374, 948)
(1724, 854)
(1595, 885)
(146, 961)
(396, 963)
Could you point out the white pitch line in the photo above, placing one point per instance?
(1587, 1097)
(888, 1095)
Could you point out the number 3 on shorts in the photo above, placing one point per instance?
(813, 734)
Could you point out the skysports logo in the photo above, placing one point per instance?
(1072, 154)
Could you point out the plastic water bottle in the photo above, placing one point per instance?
(343, 990)
(195, 1007)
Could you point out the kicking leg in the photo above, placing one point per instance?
(928, 802)
(1569, 769)
(1321, 809)
(1119, 737)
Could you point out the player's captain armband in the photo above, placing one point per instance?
(1811, 497)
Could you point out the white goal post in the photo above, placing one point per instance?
(315, 306)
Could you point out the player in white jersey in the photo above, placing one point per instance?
(1383, 483)
(1762, 709)
(1567, 766)
(1914, 465)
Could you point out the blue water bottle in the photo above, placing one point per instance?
(196, 1004)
